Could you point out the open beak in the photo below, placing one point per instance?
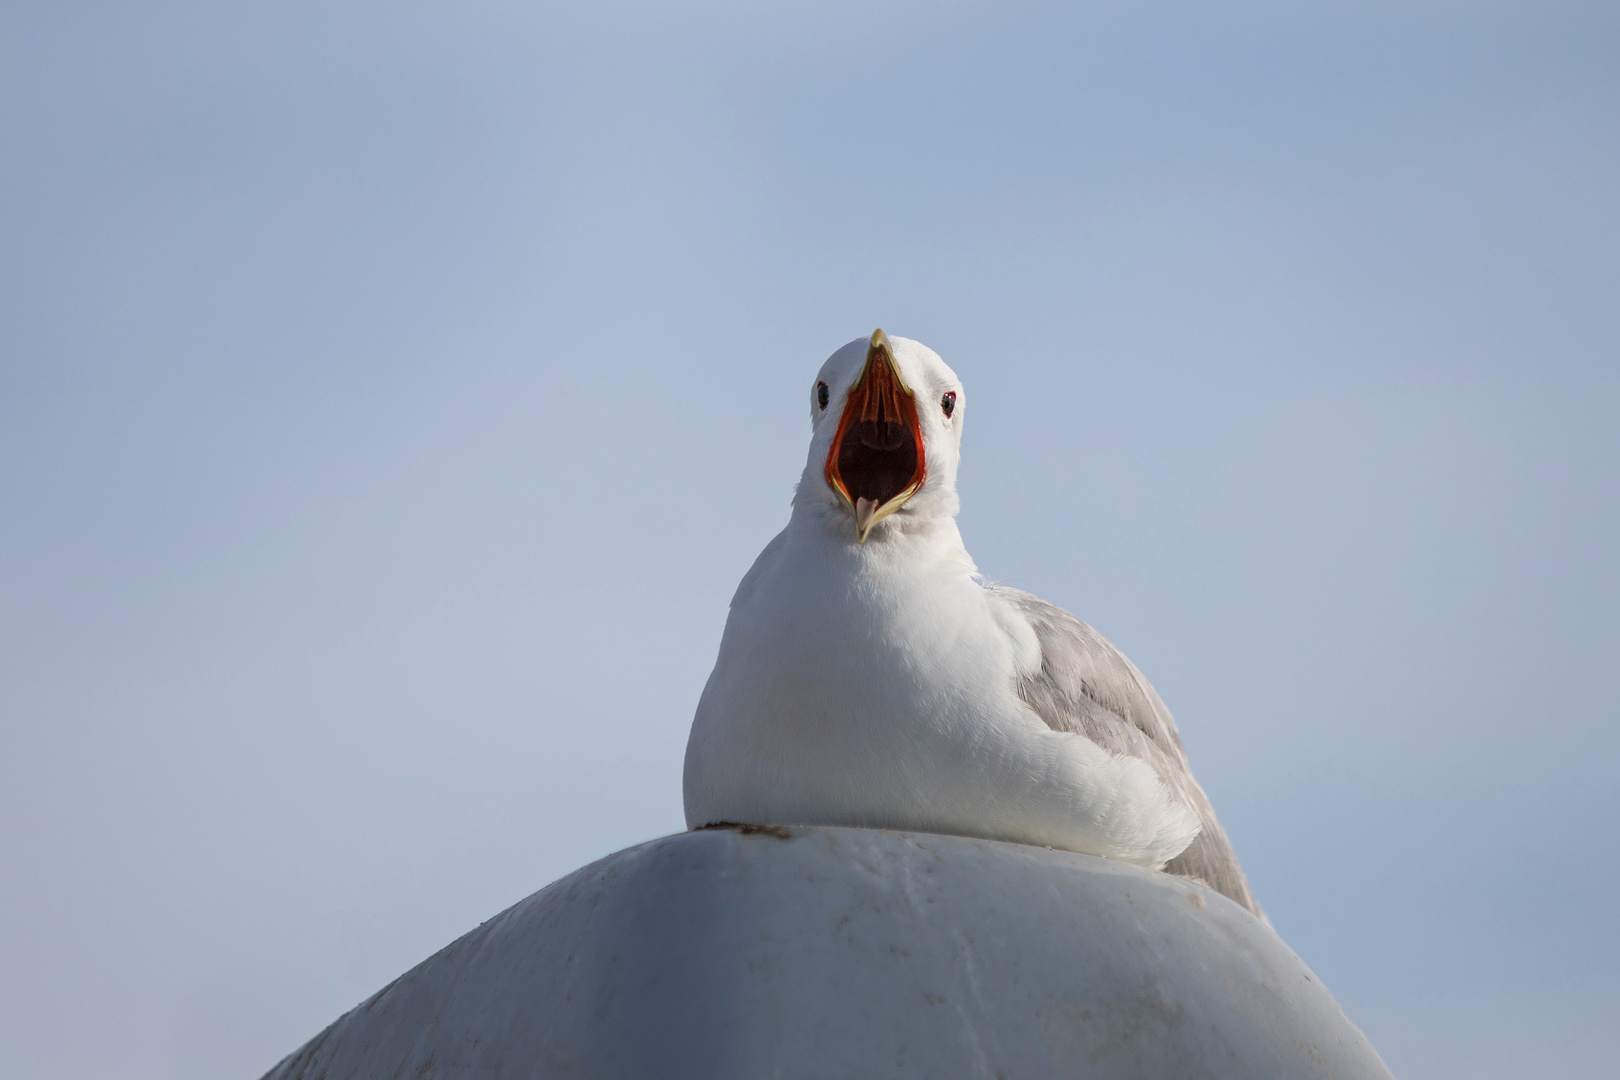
(876, 462)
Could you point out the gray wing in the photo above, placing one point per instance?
(1085, 685)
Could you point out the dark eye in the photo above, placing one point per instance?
(948, 403)
(821, 394)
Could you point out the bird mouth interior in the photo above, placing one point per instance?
(876, 461)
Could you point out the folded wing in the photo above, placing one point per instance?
(1086, 686)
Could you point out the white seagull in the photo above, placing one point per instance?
(868, 676)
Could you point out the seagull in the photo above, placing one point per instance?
(869, 676)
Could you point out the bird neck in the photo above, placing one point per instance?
(901, 538)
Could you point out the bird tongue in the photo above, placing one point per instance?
(865, 510)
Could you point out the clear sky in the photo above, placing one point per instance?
(391, 396)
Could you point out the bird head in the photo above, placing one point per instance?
(886, 416)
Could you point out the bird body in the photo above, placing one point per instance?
(868, 676)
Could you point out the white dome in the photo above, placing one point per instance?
(829, 952)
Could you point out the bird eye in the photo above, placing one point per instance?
(821, 394)
(948, 403)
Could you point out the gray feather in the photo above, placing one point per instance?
(1087, 686)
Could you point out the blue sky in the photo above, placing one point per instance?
(392, 395)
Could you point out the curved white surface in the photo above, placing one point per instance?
(829, 952)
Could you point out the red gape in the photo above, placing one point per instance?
(877, 455)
